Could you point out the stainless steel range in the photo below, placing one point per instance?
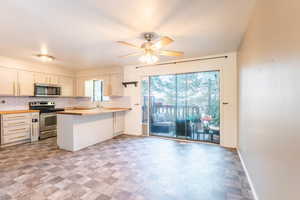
(48, 124)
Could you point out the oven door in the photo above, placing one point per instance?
(48, 121)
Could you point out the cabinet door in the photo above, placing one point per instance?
(106, 85)
(119, 123)
(116, 84)
(41, 78)
(8, 81)
(25, 83)
(67, 86)
(46, 78)
(53, 79)
(80, 84)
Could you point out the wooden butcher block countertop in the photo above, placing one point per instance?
(4, 112)
(92, 111)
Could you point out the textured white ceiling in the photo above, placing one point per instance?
(83, 33)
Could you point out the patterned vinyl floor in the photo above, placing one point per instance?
(124, 168)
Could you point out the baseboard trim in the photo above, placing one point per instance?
(248, 176)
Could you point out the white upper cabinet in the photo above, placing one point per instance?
(106, 85)
(53, 79)
(8, 81)
(46, 78)
(25, 83)
(15, 82)
(66, 83)
(80, 84)
(41, 78)
(112, 84)
(67, 86)
(116, 85)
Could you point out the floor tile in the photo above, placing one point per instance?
(123, 168)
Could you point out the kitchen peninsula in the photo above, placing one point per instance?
(78, 129)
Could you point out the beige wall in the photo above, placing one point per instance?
(269, 97)
(228, 70)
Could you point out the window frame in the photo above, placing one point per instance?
(93, 97)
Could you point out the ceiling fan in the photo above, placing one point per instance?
(150, 50)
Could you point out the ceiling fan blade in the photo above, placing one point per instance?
(171, 53)
(162, 42)
(131, 54)
(128, 44)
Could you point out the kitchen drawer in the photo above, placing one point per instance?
(16, 130)
(15, 137)
(20, 116)
(16, 123)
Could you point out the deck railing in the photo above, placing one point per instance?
(165, 113)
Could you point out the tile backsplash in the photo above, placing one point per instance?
(21, 103)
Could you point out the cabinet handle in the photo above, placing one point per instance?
(14, 88)
(18, 129)
(23, 136)
(16, 117)
(19, 89)
(16, 124)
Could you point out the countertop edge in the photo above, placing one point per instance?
(6, 112)
(86, 112)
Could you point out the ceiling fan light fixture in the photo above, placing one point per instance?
(45, 57)
(152, 49)
(148, 58)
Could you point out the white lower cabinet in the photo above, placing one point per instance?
(13, 123)
(16, 134)
(119, 123)
(35, 127)
(14, 117)
(16, 128)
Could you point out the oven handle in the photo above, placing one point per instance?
(48, 114)
(49, 131)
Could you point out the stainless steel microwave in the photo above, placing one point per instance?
(47, 90)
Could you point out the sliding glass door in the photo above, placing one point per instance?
(203, 106)
(182, 129)
(162, 103)
(185, 106)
